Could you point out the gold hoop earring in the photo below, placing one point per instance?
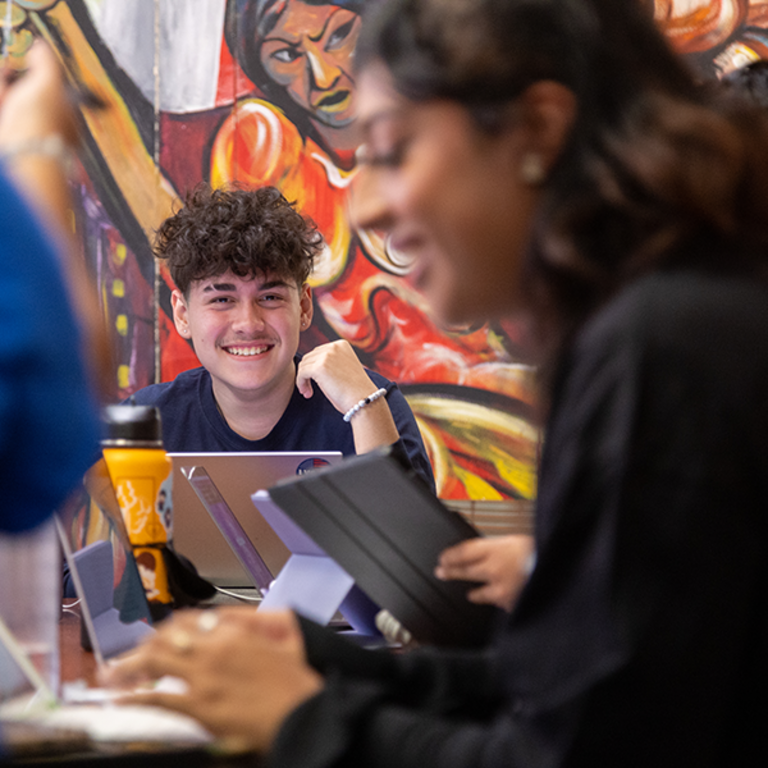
(532, 170)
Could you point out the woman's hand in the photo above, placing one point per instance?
(245, 672)
(502, 564)
(36, 104)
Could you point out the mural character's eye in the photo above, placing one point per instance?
(287, 55)
(339, 35)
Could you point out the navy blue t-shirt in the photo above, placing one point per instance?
(192, 422)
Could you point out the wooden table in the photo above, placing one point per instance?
(75, 662)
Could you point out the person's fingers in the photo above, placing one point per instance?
(304, 382)
(275, 625)
(41, 67)
(484, 594)
(149, 663)
(462, 572)
(272, 626)
(222, 657)
(336, 369)
(462, 554)
(159, 655)
(180, 643)
(178, 702)
(36, 103)
(490, 594)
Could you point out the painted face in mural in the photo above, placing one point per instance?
(450, 196)
(245, 331)
(308, 50)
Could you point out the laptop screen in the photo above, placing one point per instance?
(100, 559)
(235, 476)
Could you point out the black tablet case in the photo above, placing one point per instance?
(382, 524)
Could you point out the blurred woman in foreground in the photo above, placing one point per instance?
(53, 347)
(554, 155)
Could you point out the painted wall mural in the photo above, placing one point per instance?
(717, 35)
(261, 92)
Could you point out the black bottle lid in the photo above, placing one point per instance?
(134, 426)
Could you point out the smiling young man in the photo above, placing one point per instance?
(240, 260)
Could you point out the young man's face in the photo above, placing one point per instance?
(245, 331)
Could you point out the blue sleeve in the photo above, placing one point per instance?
(48, 416)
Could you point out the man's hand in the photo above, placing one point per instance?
(335, 368)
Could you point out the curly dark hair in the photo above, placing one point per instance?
(245, 231)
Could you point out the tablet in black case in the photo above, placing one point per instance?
(382, 524)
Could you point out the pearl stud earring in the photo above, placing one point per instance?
(532, 169)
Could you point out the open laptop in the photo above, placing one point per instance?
(54, 725)
(101, 566)
(235, 476)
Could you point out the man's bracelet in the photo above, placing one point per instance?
(52, 145)
(365, 401)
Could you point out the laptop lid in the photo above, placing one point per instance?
(102, 567)
(229, 527)
(235, 476)
(18, 675)
(385, 528)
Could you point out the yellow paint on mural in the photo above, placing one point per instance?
(123, 376)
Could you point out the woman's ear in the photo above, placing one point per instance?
(548, 111)
(180, 314)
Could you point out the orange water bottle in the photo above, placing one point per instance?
(141, 475)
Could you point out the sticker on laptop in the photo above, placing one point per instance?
(309, 464)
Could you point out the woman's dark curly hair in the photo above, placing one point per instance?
(657, 166)
(246, 231)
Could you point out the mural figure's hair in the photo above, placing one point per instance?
(654, 162)
(246, 23)
(248, 232)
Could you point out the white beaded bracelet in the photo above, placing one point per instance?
(365, 401)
